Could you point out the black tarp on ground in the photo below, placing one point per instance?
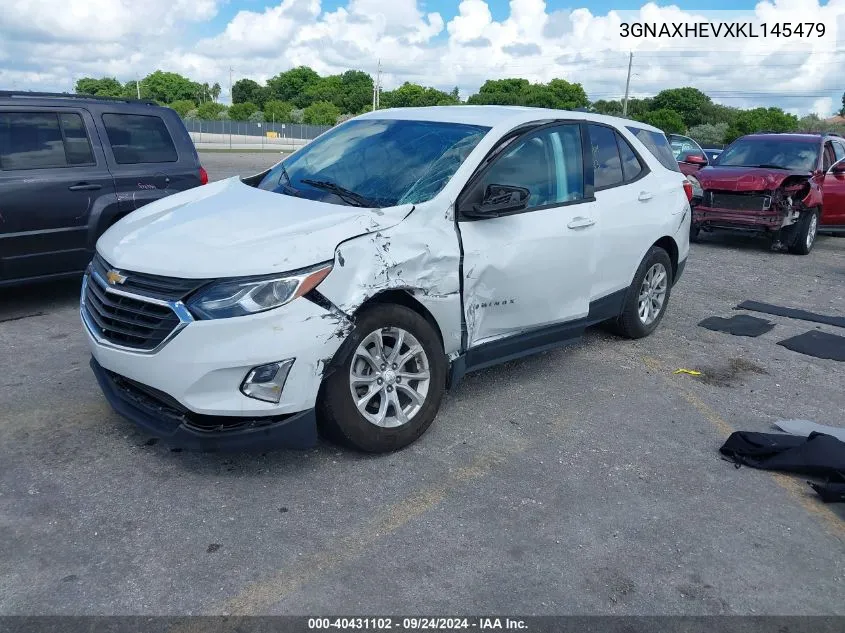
(818, 455)
(792, 313)
(818, 344)
(738, 325)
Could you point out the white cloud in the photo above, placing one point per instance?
(45, 44)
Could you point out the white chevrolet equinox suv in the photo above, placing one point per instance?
(349, 285)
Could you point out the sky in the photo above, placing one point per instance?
(48, 44)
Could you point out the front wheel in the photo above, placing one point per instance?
(804, 233)
(647, 297)
(387, 381)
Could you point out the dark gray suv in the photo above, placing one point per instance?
(71, 166)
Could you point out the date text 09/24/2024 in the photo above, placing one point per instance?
(416, 624)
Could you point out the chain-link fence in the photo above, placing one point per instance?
(251, 133)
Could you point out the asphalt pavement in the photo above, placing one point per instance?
(580, 481)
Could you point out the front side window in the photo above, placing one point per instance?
(376, 163)
(607, 164)
(548, 163)
(772, 153)
(136, 138)
(31, 140)
(838, 150)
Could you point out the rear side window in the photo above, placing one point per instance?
(657, 144)
(34, 140)
(839, 150)
(631, 166)
(136, 138)
(77, 145)
(607, 165)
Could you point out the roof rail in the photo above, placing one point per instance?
(63, 95)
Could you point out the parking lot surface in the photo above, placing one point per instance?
(585, 480)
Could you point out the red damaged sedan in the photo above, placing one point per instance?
(788, 186)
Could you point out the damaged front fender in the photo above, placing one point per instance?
(420, 256)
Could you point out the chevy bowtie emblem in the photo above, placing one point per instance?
(114, 277)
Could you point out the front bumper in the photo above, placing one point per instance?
(161, 416)
(710, 217)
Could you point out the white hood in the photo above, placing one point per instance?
(229, 229)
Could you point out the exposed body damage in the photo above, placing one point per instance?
(763, 200)
(412, 258)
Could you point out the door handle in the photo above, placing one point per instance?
(581, 222)
(644, 196)
(84, 186)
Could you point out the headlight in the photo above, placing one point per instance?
(249, 295)
(697, 191)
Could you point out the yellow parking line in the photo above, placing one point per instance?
(259, 596)
(794, 487)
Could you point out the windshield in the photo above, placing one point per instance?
(772, 153)
(683, 145)
(376, 163)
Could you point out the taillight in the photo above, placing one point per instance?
(204, 177)
(688, 189)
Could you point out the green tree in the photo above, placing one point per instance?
(278, 111)
(328, 89)
(558, 93)
(105, 87)
(410, 95)
(568, 96)
(842, 110)
(612, 108)
(290, 85)
(709, 133)
(455, 93)
(688, 102)
(249, 91)
(257, 117)
(665, 119)
(718, 113)
(215, 91)
(169, 87)
(759, 120)
(357, 91)
(210, 110)
(321, 113)
(183, 106)
(242, 111)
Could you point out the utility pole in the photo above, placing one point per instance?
(138, 87)
(232, 99)
(377, 87)
(627, 84)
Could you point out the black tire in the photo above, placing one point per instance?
(629, 324)
(803, 233)
(337, 413)
(694, 233)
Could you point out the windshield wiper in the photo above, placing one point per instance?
(770, 166)
(289, 186)
(356, 199)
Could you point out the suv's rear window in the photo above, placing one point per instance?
(657, 144)
(33, 140)
(138, 138)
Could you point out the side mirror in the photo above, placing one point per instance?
(696, 159)
(499, 200)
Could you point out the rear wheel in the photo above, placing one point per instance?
(647, 297)
(388, 381)
(803, 234)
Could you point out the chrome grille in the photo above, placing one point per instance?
(155, 286)
(126, 321)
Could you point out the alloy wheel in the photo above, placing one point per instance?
(389, 377)
(652, 293)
